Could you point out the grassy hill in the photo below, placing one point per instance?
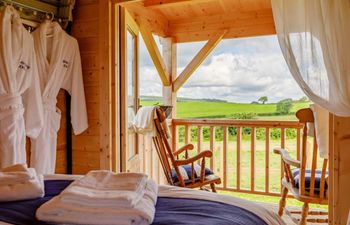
(211, 109)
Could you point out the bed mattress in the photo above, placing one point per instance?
(174, 206)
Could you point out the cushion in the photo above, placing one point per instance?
(186, 173)
(308, 179)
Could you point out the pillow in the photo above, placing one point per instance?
(308, 179)
(186, 173)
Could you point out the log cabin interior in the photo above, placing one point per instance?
(108, 33)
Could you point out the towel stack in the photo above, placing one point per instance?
(103, 197)
(18, 182)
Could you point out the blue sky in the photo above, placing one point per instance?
(238, 70)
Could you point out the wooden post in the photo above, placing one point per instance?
(339, 168)
(169, 97)
(105, 92)
(169, 58)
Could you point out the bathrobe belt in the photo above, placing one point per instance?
(50, 105)
(10, 104)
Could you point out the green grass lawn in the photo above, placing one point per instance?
(201, 109)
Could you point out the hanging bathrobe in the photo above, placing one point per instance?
(21, 111)
(59, 66)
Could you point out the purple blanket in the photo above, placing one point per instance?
(168, 210)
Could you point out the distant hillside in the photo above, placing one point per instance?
(202, 109)
(180, 99)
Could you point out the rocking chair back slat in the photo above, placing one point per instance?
(303, 163)
(306, 116)
(163, 159)
(313, 168)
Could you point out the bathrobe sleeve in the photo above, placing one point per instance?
(32, 102)
(75, 86)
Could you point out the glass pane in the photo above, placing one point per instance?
(131, 90)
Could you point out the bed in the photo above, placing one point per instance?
(175, 205)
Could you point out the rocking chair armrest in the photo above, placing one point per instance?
(183, 148)
(206, 153)
(286, 157)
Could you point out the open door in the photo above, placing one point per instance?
(129, 48)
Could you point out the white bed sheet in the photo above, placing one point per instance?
(268, 216)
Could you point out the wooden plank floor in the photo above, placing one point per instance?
(286, 218)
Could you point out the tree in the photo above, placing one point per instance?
(263, 99)
(284, 106)
(303, 99)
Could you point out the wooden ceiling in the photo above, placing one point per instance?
(199, 20)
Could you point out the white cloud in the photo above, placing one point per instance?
(233, 74)
(150, 83)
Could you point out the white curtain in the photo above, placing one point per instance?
(314, 36)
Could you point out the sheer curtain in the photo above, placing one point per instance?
(314, 36)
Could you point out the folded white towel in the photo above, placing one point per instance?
(107, 189)
(101, 198)
(16, 174)
(107, 180)
(21, 185)
(144, 121)
(15, 168)
(143, 213)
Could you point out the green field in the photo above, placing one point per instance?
(202, 109)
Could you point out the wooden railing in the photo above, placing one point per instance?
(242, 150)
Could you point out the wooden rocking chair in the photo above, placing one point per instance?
(306, 185)
(173, 165)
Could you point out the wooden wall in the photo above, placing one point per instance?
(61, 162)
(85, 29)
(89, 29)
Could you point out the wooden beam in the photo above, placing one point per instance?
(169, 56)
(155, 54)
(197, 60)
(153, 19)
(239, 24)
(161, 3)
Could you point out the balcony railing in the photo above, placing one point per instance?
(242, 150)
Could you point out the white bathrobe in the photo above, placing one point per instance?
(21, 111)
(59, 66)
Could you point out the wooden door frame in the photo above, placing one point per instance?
(126, 23)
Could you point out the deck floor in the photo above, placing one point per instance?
(286, 218)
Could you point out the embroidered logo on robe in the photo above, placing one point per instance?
(65, 63)
(23, 66)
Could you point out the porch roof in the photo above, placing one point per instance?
(200, 20)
